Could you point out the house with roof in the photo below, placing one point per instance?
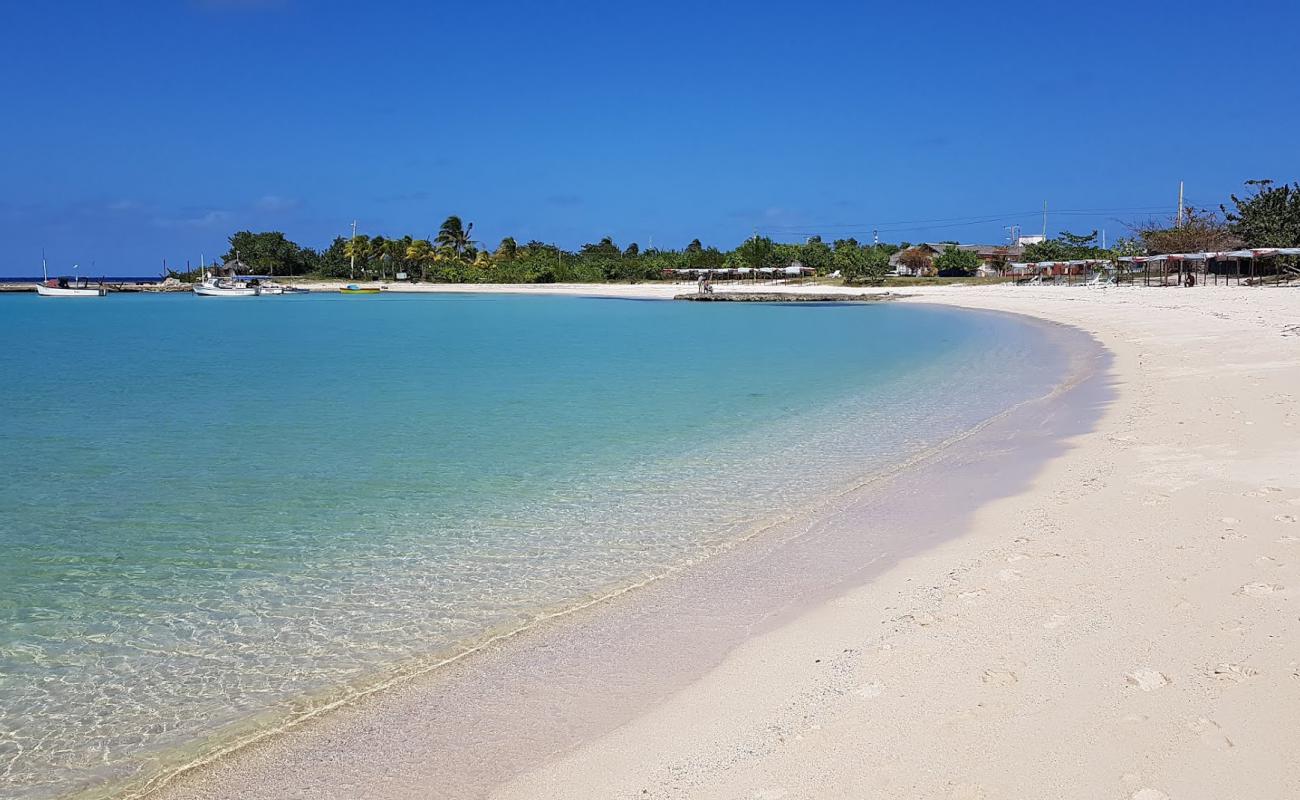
(991, 256)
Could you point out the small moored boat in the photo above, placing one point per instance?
(224, 287)
(224, 281)
(67, 287)
(352, 288)
(70, 287)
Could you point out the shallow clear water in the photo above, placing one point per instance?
(216, 513)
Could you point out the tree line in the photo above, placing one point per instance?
(454, 256)
(1267, 216)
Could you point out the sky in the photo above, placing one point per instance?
(143, 132)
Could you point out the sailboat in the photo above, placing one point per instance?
(67, 287)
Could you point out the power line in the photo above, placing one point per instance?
(969, 219)
(922, 226)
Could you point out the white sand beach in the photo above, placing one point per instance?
(1127, 627)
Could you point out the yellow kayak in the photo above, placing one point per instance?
(352, 288)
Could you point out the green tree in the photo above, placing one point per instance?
(784, 254)
(333, 262)
(757, 252)
(1076, 241)
(954, 262)
(454, 235)
(878, 261)
(269, 253)
(816, 254)
(632, 251)
(507, 250)
(420, 252)
(697, 256)
(604, 248)
(358, 252)
(858, 264)
(849, 259)
(1049, 250)
(1268, 218)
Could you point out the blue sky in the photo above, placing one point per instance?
(137, 132)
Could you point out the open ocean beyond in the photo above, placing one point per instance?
(216, 514)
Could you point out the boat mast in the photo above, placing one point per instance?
(45, 275)
(352, 269)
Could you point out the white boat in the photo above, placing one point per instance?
(70, 287)
(224, 281)
(67, 287)
(224, 287)
(267, 286)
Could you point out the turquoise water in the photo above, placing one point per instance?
(218, 512)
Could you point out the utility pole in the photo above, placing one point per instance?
(352, 269)
(1103, 238)
(875, 237)
(1180, 204)
(1044, 220)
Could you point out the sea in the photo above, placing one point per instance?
(219, 514)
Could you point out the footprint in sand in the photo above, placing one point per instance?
(1211, 734)
(1148, 680)
(1285, 518)
(972, 595)
(999, 677)
(1233, 672)
(1288, 540)
(1056, 621)
(1149, 794)
(1259, 589)
(1009, 575)
(1263, 491)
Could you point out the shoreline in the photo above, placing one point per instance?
(261, 765)
(958, 701)
(1123, 628)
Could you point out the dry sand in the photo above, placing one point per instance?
(1127, 627)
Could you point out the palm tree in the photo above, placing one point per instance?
(454, 235)
(379, 251)
(508, 249)
(394, 252)
(421, 252)
(358, 248)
